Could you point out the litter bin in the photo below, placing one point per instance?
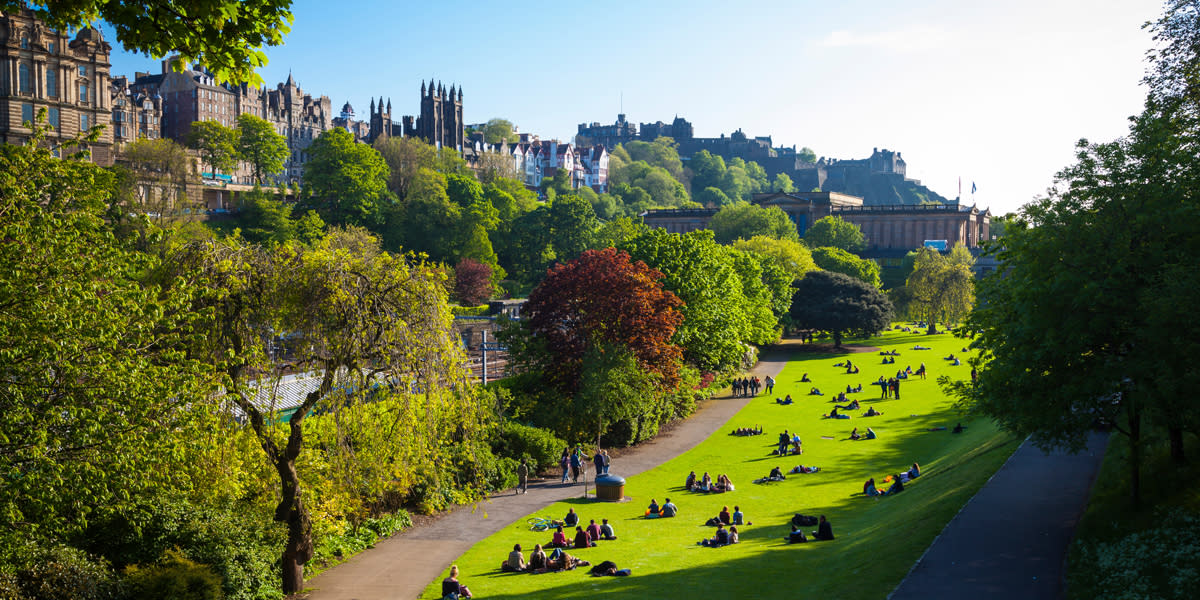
(610, 487)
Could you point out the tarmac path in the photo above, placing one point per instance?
(401, 566)
(1011, 539)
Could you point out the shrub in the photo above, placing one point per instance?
(470, 311)
(517, 441)
(1157, 563)
(331, 548)
(174, 577)
(59, 573)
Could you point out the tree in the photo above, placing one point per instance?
(347, 180)
(743, 220)
(499, 130)
(601, 298)
(840, 261)
(659, 153)
(266, 220)
(216, 144)
(161, 169)
(260, 146)
(427, 220)
(835, 232)
(405, 157)
(838, 303)
(572, 224)
(369, 322)
(807, 155)
(472, 282)
(712, 197)
(941, 288)
(226, 36)
(493, 165)
(783, 183)
(791, 256)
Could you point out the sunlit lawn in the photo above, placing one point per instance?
(878, 539)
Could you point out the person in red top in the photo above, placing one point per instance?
(724, 516)
(593, 530)
(559, 540)
(582, 539)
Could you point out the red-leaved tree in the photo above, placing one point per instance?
(605, 299)
(472, 282)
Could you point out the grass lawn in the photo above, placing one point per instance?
(878, 539)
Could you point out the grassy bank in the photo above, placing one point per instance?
(878, 539)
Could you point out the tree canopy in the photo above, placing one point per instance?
(840, 261)
(216, 144)
(941, 289)
(838, 304)
(347, 180)
(260, 146)
(743, 220)
(835, 232)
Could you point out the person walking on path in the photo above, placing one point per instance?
(770, 381)
(523, 477)
(564, 461)
(598, 461)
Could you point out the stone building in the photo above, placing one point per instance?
(45, 69)
(441, 120)
(135, 115)
(361, 130)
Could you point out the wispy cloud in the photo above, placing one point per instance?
(900, 40)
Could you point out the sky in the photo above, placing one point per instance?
(994, 94)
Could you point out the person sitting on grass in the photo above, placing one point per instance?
(786, 401)
(824, 530)
(723, 483)
(796, 536)
(897, 485)
(705, 484)
(871, 412)
(537, 559)
(804, 378)
(559, 540)
(721, 538)
(582, 539)
(958, 428)
(833, 414)
(669, 509)
(690, 482)
(776, 475)
(854, 434)
(606, 531)
(796, 448)
(870, 434)
(653, 510)
(451, 586)
(956, 363)
(737, 517)
(593, 531)
(915, 471)
(572, 519)
(515, 562)
(733, 534)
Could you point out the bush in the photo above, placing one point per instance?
(59, 573)
(470, 311)
(1163, 562)
(174, 577)
(331, 548)
(517, 441)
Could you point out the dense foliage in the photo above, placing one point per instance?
(838, 304)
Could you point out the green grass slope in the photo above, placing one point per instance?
(878, 539)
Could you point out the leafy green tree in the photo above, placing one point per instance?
(712, 197)
(807, 155)
(783, 183)
(615, 232)
(266, 220)
(161, 170)
(347, 180)
(510, 197)
(427, 220)
(835, 232)
(791, 256)
(572, 224)
(840, 261)
(743, 220)
(226, 36)
(499, 130)
(941, 288)
(405, 157)
(260, 146)
(659, 153)
(216, 144)
(838, 304)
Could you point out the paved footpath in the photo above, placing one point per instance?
(1011, 539)
(402, 566)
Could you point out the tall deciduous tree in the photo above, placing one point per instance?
(366, 319)
(941, 289)
(840, 261)
(405, 157)
(260, 146)
(791, 256)
(838, 304)
(161, 169)
(216, 144)
(472, 282)
(347, 180)
(226, 36)
(498, 130)
(835, 232)
(743, 220)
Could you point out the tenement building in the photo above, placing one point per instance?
(45, 69)
(135, 115)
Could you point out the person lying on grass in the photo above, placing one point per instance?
(515, 563)
(815, 392)
(852, 390)
(801, 469)
(852, 406)
(559, 540)
(785, 401)
(561, 561)
(824, 530)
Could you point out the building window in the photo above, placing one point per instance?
(83, 70)
(83, 93)
(24, 43)
(53, 120)
(27, 113)
(52, 48)
(25, 82)
(119, 130)
(83, 122)
(52, 83)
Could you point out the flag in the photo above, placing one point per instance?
(972, 188)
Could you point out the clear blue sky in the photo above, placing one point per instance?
(995, 93)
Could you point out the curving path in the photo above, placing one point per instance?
(403, 565)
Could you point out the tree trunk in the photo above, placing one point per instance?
(932, 327)
(837, 339)
(291, 510)
(1175, 434)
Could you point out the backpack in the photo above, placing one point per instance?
(605, 568)
(800, 520)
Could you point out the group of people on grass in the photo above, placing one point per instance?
(898, 480)
(824, 532)
(788, 444)
(747, 431)
(706, 484)
(869, 435)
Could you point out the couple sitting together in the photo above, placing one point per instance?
(723, 537)
(869, 435)
(668, 509)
